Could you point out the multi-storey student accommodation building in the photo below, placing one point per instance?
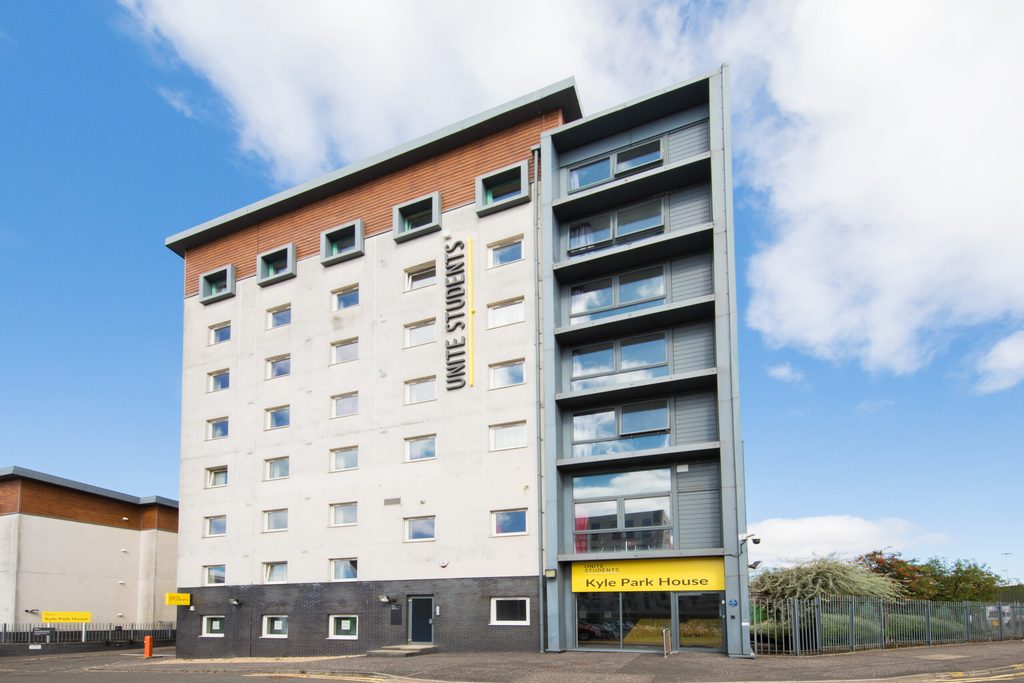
(477, 391)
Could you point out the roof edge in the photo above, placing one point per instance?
(14, 472)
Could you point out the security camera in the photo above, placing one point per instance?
(755, 540)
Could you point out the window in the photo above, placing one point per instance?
(275, 265)
(341, 243)
(343, 627)
(217, 428)
(420, 390)
(631, 160)
(275, 520)
(346, 297)
(419, 529)
(506, 313)
(421, 448)
(216, 285)
(422, 332)
(624, 293)
(218, 380)
(216, 525)
(220, 333)
(508, 522)
(505, 252)
(420, 276)
(623, 511)
(638, 158)
(417, 217)
(345, 569)
(510, 611)
(276, 468)
(279, 366)
(503, 188)
(344, 514)
(344, 459)
(615, 362)
(279, 317)
(625, 225)
(507, 374)
(590, 173)
(216, 477)
(275, 572)
(279, 417)
(213, 575)
(213, 626)
(508, 436)
(343, 405)
(345, 351)
(275, 626)
(622, 429)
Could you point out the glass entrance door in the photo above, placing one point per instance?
(701, 620)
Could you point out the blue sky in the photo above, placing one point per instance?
(880, 349)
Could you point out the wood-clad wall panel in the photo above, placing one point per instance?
(10, 495)
(45, 500)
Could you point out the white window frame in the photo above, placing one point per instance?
(506, 364)
(497, 305)
(206, 574)
(209, 428)
(212, 338)
(330, 627)
(347, 289)
(492, 429)
(494, 612)
(266, 521)
(331, 466)
(420, 324)
(268, 567)
(205, 631)
(264, 277)
(406, 523)
(277, 359)
(349, 504)
(267, 465)
(208, 522)
(266, 626)
(268, 421)
(409, 384)
(422, 268)
(494, 523)
(330, 569)
(278, 309)
(412, 439)
(211, 380)
(353, 341)
(211, 472)
(508, 241)
(334, 404)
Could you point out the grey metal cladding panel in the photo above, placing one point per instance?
(693, 347)
(703, 475)
(691, 277)
(685, 142)
(691, 206)
(696, 417)
(699, 505)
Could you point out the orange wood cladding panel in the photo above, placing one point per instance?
(45, 500)
(453, 174)
(159, 517)
(10, 496)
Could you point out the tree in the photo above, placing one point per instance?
(918, 581)
(963, 580)
(823, 577)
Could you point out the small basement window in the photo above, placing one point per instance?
(341, 243)
(417, 217)
(217, 284)
(503, 188)
(275, 265)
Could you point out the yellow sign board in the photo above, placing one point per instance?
(672, 574)
(66, 617)
(178, 598)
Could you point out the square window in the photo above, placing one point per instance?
(279, 317)
(341, 243)
(213, 626)
(216, 477)
(279, 366)
(216, 525)
(503, 188)
(638, 158)
(275, 572)
(275, 265)
(275, 626)
(420, 390)
(422, 332)
(510, 611)
(590, 173)
(506, 313)
(346, 297)
(218, 380)
(345, 351)
(216, 285)
(507, 436)
(344, 627)
(275, 520)
(421, 448)
(278, 417)
(220, 333)
(213, 575)
(508, 522)
(343, 405)
(417, 217)
(344, 459)
(419, 529)
(345, 569)
(344, 514)
(276, 468)
(420, 276)
(217, 428)
(505, 252)
(508, 374)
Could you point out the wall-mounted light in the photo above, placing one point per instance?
(124, 519)
(235, 602)
(754, 565)
(31, 611)
(385, 599)
(550, 573)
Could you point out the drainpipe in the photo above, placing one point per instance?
(539, 418)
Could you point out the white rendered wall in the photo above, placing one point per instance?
(8, 568)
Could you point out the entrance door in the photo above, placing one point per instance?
(421, 619)
(702, 620)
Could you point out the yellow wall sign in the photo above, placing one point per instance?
(675, 574)
(66, 617)
(178, 598)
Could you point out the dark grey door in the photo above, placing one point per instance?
(421, 619)
(702, 620)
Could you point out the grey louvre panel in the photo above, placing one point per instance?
(691, 276)
(699, 506)
(686, 142)
(696, 418)
(691, 206)
(693, 347)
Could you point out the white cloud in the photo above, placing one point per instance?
(1003, 366)
(788, 540)
(178, 101)
(784, 372)
(873, 406)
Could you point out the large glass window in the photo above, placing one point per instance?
(615, 362)
(623, 511)
(622, 620)
(620, 429)
(590, 173)
(623, 225)
(624, 293)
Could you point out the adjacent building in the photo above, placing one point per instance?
(477, 391)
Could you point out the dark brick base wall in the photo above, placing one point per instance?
(463, 622)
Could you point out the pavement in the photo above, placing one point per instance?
(968, 663)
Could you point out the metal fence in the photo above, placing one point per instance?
(837, 624)
(85, 633)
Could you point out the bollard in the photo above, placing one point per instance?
(147, 647)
